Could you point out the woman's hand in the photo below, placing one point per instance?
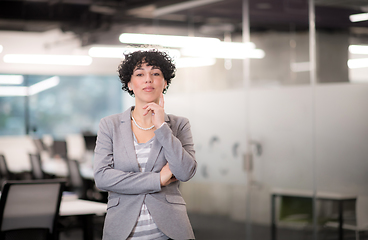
(157, 111)
(166, 176)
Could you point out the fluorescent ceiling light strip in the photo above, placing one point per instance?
(358, 49)
(358, 17)
(237, 46)
(166, 40)
(13, 91)
(118, 52)
(358, 63)
(74, 60)
(181, 7)
(194, 62)
(11, 79)
(1, 48)
(29, 91)
(224, 50)
(43, 85)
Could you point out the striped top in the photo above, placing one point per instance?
(145, 228)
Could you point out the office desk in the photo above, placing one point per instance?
(85, 209)
(337, 197)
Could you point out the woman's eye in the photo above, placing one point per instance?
(156, 74)
(139, 74)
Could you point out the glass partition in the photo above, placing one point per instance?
(341, 118)
(281, 114)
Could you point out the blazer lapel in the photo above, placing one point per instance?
(155, 151)
(128, 140)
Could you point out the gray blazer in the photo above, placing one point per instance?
(116, 170)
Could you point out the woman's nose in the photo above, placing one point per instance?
(148, 78)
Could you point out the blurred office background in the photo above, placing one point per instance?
(285, 114)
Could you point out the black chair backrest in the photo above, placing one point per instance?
(90, 141)
(4, 171)
(75, 178)
(39, 145)
(59, 148)
(36, 166)
(27, 205)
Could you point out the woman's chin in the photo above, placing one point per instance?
(149, 99)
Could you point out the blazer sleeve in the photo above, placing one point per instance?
(108, 178)
(178, 149)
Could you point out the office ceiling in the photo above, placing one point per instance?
(91, 18)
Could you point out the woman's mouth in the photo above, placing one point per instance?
(148, 89)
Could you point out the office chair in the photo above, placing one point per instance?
(84, 188)
(39, 145)
(90, 141)
(29, 209)
(4, 171)
(36, 166)
(59, 149)
(76, 182)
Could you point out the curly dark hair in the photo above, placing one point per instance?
(153, 58)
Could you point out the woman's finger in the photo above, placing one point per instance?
(162, 101)
(147, 110)
(150, 107)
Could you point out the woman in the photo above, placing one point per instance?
(143, 154)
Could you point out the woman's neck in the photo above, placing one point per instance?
(138, 115)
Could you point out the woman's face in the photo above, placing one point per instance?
(147, 83)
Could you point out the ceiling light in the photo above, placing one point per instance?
(11, 79)
(358, 49)
(166, 40)
(43, 85)
(194, 62)
(28, 91)
(226, 50)
(48, 59)
(358, 63)
(1, 48)
(118, 52)
(358, 17)
(13, 91)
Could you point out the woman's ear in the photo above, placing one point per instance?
(129, 87)
(165, 86)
